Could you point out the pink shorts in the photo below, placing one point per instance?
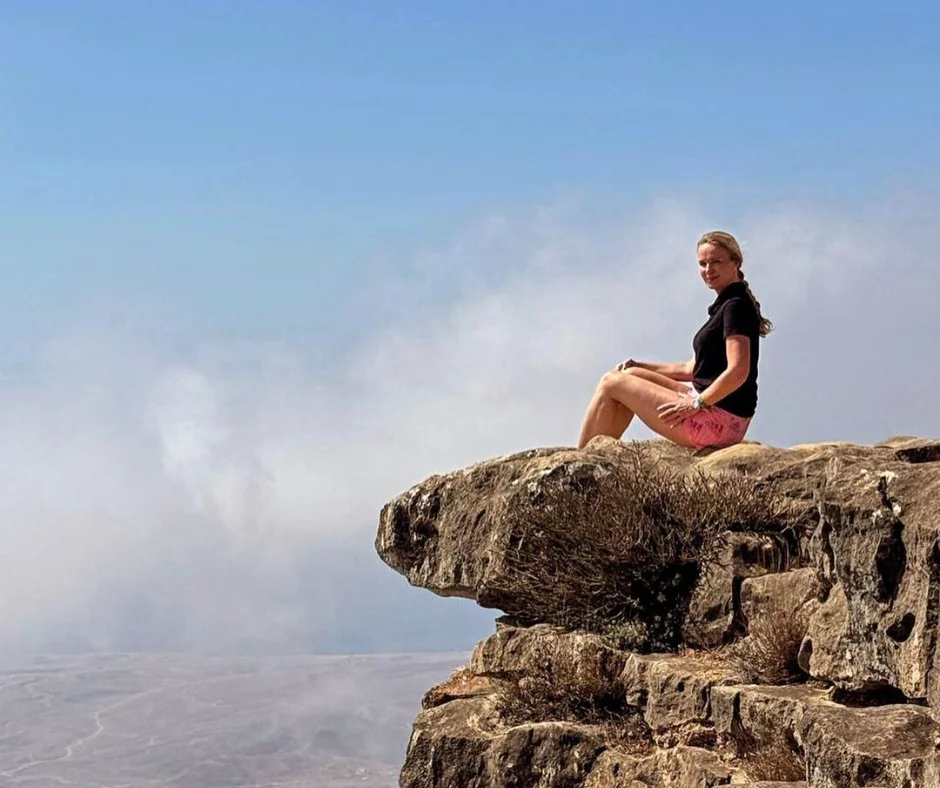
(715, 427)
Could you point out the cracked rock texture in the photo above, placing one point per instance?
(835, 593)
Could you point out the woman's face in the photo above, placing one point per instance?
(716, 267)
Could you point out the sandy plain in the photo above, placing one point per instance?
(182, 721)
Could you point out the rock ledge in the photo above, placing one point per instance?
(800, 624)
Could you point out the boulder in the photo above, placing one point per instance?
(461, 743)
(757, 717)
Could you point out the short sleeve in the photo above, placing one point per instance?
(740, 317)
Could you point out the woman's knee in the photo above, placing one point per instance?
(608, 381)
(615, 375)
(616, 382)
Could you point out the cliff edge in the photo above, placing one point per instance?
(758, 616)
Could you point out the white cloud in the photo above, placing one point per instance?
(226, 499)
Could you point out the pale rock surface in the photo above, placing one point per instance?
(853, 549)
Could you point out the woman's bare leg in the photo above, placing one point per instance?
(658, 379)
(605, 415)
(621, 395)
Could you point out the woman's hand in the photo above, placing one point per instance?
(624, 365)
(681, 410)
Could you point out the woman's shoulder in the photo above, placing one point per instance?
(740, 312)
(739, 301)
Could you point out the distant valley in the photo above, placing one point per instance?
(181, 721)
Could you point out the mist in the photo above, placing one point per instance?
(186, 496)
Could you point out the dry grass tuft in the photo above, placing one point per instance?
(632, 543)
(561, 687)
(768, 655)
(774, 762)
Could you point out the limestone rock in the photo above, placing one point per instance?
(774, 784)
(447, 534)
(463, 683)
(461, 743)
(521, 650)
(465, 742)
(614, 770)
(876, 549)
(715, 609)
(795, 590)
(888, 746)
(913, 450)
(851, 546)
(678, 767)
(757, 716)
(587, 538)
(674, 694)
(449, 744)
(818, 655)
(545, 754)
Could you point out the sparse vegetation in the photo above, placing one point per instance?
(626, 635)
(562, 687)
(776, 759)
(774, 762)
(768, 655)
(632, 542)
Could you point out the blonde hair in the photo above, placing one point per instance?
(730, 244)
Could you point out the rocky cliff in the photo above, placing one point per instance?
(757, 616)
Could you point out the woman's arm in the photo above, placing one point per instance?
(738, 350)
(681, 371)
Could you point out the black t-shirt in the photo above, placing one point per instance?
(731, 313)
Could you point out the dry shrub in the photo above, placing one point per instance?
(774, 762)
(559, 687)
(768, 655)
(624, 547)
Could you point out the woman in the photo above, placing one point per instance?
(717, 409)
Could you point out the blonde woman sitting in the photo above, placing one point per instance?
(716, 409)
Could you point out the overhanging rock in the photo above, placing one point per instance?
(846, 552)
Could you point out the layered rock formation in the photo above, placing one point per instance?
(757, 616)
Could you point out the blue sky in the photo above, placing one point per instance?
(248, 160)
(267, 264)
